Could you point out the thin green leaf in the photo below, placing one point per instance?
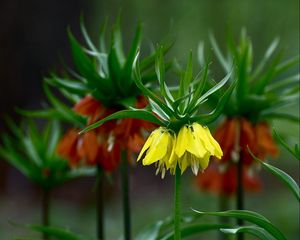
(286, 65)
(252, 217)
(208, 118)
(49, 113)
(102, 46)
(53, 138)
(86, 35)
(219, 54)
(281, 84)
(127, 70)
(72, 86)
(160, 72)
(151, 232)
(80, 172)
(252, 230)
(149, 60)
(187, 78)
(199, 89)
(284, 144)
(214, 89)
(200, 54)
(65, 111)
(157, 110)
(146, 91)
(87, 68)
(265, 59)
(16, 160)
(57, 232)
(194, 229)
(269, 75)
(284, 177)
(136, 114)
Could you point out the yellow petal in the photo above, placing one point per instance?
(188, 141)
(181, 142)
(158, 148)
(204, 161)
(183, 162)
(194, 144)
(218, 151)
(204, 138)
(173, 156)
(147, 144)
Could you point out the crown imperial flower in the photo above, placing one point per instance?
(192, 146)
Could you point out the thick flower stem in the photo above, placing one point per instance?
(99, 203)
(240, 187)
(46, 193)
(177, 212)
(125, 196)
(240, 195)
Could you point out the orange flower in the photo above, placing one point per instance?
(67, 147)
(256, 136)
(103, 145)
(224, 181)
(94, 111)
(234, 135)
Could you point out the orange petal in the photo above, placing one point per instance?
(88, 106)
(67, 146)
(90, 146)
(265, 140)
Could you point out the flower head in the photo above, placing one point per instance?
(191, 147)
(100, 84)
(158, 149)
(102, 146)
(235, 134)
(181, 140)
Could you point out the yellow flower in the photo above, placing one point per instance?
(158, 149)
(193, 147)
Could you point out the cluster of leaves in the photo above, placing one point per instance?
(33, 152)
(105, 73)
(261, 89)
(174, 108)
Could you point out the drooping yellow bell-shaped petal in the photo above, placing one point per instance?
(194, 147)
(187, 140)
(158, 148)
(148, 143)
(203, 137)
(181, 142)
(218, 151)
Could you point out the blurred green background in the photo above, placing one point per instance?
(33, 41)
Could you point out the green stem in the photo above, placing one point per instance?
(46, 193)
(240, 195)
(239, 186)
(125, 196)
(99, 203)
(223, 206)
(177, 212)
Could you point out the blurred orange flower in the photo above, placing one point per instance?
(103, 145)
(256, 136)
(223, 179)
(234, 136)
